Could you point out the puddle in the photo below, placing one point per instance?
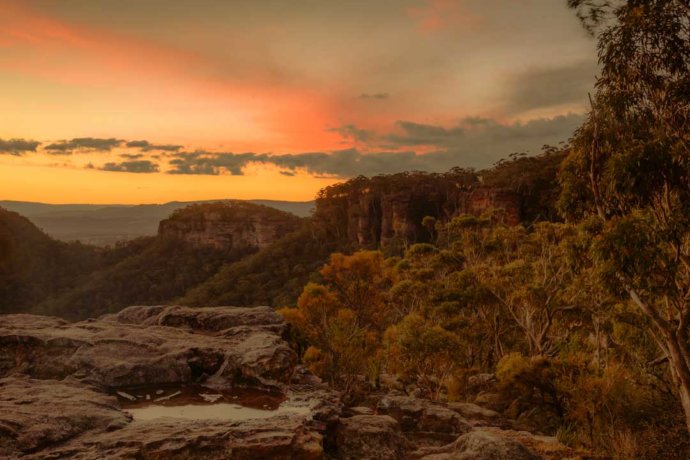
(218, 411)
(200, 403)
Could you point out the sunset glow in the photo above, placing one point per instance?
(342, 88)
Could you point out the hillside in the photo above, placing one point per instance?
(34, 266)
(150, 270)
(236, 252)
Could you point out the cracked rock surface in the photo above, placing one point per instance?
(59, 383)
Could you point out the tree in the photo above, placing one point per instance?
(339, 349)
(533, 284)
(422, 351)
(630, 165)
(343, 320)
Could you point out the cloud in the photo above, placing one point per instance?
(351, 132)
(82, 143)
(374, 96)
(134, 166)
(473, 142)
(17, 147)
(146, 146)
(206, 163)
(132, 156)
(551, 87)
(416, 134)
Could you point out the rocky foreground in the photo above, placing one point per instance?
(64, 390)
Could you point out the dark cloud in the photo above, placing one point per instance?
(374, 96)
(479, 142)
(474, 142)
(550, 87)
(17, 147)
(416, 134)
(134, 166)
(351, 132)
(201, 162)
(82, 143)
(147, 146)
(132, 156)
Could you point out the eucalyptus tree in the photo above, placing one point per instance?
(630, 165)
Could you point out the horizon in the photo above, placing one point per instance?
(187, 102)
(150, 203)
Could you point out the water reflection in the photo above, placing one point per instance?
(201, 403)
(219, 411)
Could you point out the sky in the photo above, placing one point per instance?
(130, 101)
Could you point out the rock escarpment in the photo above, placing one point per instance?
(59, 383)
(388, 211)
(229, 225)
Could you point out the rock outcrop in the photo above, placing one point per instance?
(389, 210)
(59, 383)
(76, 390)
(479, 445)
(151, 345)
(370, 437)
(425, 421)
(229, 225)
(434, 430)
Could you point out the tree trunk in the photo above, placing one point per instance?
(673, 340)
(681, 375)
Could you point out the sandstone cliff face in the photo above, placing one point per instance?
(389, 210)
(228, 225)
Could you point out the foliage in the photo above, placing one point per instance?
(630, 166)
(343, 320)
(422, 352)
(34, 266)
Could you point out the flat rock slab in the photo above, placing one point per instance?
(151, 345)
(38, 413)
(59, 381)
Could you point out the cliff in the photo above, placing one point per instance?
(387, 211)
(228, 225)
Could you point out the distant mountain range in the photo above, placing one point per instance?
(107, 224)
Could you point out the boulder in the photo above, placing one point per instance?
(423, 419)
(479, 445)
(415, 414)
(369, 437)
(479, 416)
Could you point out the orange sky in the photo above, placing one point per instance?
(393, 80)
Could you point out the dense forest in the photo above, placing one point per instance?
(580, 314)
(76, 281)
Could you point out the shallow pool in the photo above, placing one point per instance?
(201, 403)
(216, 411)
